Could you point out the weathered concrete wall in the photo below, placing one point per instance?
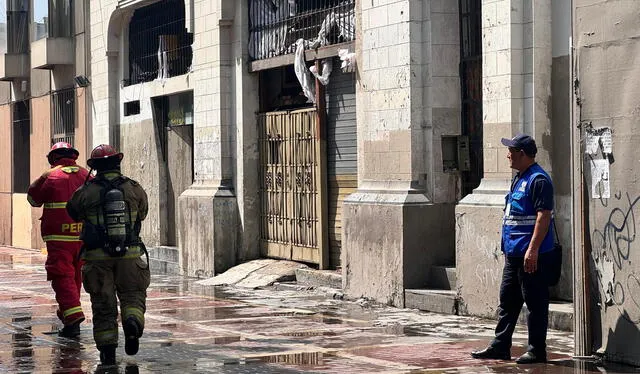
(608, 71)
(6, 219)
(392, 254)
(407, 95)
(245, 105)
(139, 142)
(22, 224)
(479, 260)
(40, 144)
(521, 80)
(5, 92)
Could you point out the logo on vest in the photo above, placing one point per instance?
(523, 186)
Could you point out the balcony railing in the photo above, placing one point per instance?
(276, 25)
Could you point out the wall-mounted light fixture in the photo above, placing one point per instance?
(82, 81)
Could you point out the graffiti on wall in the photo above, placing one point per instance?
(613, 245)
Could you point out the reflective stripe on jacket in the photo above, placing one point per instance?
(520, 216)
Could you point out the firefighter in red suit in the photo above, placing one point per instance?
(52, 190)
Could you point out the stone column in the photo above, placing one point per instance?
(516, 53)
(207, 211)
(395, 225)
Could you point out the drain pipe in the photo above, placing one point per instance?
(581, 284)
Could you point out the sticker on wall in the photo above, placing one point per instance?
(600, 179)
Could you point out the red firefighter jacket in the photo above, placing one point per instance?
(53, 193)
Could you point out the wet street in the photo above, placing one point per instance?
(197, 329)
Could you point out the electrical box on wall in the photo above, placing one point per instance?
(455, 153)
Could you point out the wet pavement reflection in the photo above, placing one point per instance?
(196, 329)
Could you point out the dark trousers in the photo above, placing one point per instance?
(519, 287)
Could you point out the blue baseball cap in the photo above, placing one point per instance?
(522, 141)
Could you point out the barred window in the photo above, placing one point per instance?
(63, 116)
(276, 25)
(159, 44)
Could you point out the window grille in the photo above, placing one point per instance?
(63, 116)
(159, 44)
(21, 147)
(276, 25)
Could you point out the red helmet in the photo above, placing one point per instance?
(103, 151)
(63, 147)
(62, 150)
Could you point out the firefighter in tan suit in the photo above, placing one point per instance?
(112, 207)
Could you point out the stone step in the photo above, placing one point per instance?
(163, 267)
(443, 278)
(437, 301)
(446, 302)
(164, 253)
(560, 315)
(164, 260)
(319, 278)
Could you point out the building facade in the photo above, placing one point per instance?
(391, 171)
(43, 99)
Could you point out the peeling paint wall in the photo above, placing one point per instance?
(607, 51)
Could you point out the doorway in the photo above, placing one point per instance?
(173, 115)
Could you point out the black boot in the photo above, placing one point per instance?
(107, 354)
(132, 332)
(70, 331)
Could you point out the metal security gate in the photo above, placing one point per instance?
(293, 180)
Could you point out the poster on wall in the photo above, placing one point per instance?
(600, 179)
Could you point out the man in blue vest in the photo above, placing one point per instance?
(526, 243)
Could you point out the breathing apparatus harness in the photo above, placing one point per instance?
(114, 231)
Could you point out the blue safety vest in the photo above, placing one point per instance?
(520, 216)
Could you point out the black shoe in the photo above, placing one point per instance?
(132, 332)
(107, 355)
(531, 358)
(70, 331)
(491, 353)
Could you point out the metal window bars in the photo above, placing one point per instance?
(159, 44)
(63, 116)
(276, 25)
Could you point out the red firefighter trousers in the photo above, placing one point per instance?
(63, 267)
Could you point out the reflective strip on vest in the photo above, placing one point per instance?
(61, 205)
(71, 311)
(509, 222)
(106, 337)
(61, 238)
(134, 312)
(70, 169)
